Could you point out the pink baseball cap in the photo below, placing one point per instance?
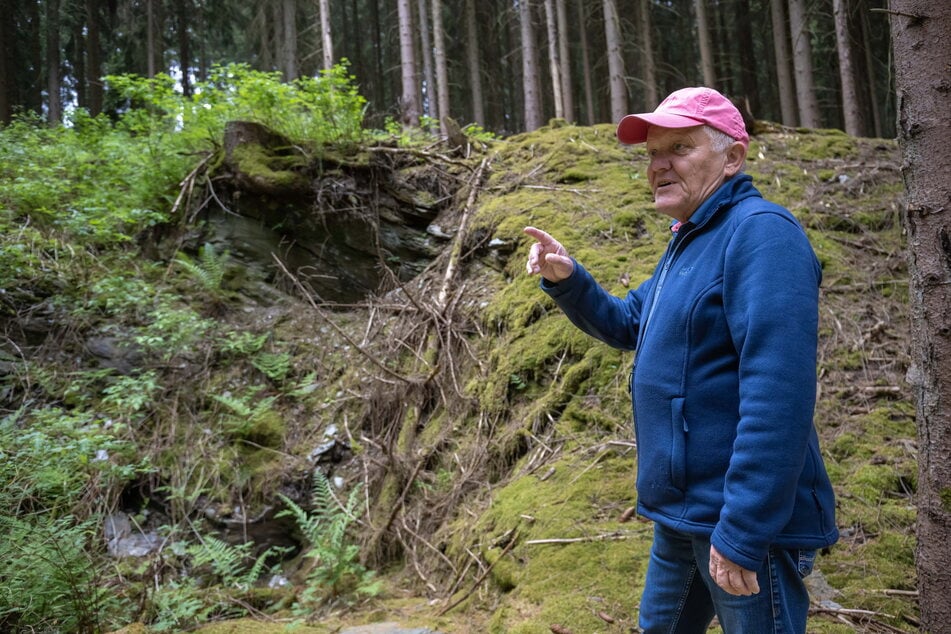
(686, 108)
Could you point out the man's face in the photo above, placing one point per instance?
(684, 169)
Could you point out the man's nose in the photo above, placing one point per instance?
(658, 162)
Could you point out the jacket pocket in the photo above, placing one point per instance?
(678, 449)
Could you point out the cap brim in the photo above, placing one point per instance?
(633, 128)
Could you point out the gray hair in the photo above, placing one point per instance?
(720, 140)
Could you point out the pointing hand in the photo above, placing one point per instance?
(547, 257)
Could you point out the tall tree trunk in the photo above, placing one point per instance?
(8, 83)
(154, 38)
(182, 20)
(784, 77)
(612, 36)
(564, 54)
(802, 62)
(94, 57)
(33, 91)
(743, 34)
(706, 48)
(475, 67)
(651, 96)
(590, 116)
(554, 63)
(442, 69)
(78, 56)
(410, 99)
(429, 81)
(530, 71)
(921, 31)
(877, 129)
(288, 43)
(851, 106)
(201, 29)
(326, 36)
(54, 112)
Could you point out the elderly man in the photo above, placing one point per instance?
(723, 383)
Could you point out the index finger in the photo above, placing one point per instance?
(539, 235)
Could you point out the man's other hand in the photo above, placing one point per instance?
(731, 577)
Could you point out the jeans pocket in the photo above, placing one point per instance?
(805, 561)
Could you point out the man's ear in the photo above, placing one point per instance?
(735, 157)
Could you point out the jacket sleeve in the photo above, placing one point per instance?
(771, 294)
(613, 320)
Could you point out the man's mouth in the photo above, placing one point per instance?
(664, 183)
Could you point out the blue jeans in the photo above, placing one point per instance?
(681, 598)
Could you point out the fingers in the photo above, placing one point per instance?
(539, 235)
(547, 257)
(731, 577)
(534, 255)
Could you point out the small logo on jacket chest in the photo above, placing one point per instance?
(685, 270)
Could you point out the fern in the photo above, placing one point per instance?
(229, 562)
(49, 581)
(209, 271)
(244, 343)
(274, 365)
(337, 573)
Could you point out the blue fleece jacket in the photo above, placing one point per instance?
(724, 379)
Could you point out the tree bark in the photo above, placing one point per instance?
(442, 69)
(874, 108)
(54, 112)
(8, 84)
(475, 66)
(288, 44)
(554, 63)
(802, 62)
(784, 77)
(430, 104)
(530, 72)
(78, 57)
(410, 98)
(564, 53)
(921, 31)
(590, 115)
(743, 34)
(612, 35)
(150, 20)
(706, 49)
(183, 18)
(851, 105)
(326, 36)
(651, 94)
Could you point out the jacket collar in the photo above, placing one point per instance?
(729, 193)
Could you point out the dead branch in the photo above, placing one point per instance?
(855, 616)
(188, 184)
(604, 537)
(429, 156)
(481, 577)
(337, 329)
(474, 186)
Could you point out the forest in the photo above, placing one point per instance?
(503, 65)
(269, 358)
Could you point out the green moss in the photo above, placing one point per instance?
(945, 496)
(278, 172)
(566, 583)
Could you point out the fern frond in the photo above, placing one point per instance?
(210, 271)
(236, 405)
